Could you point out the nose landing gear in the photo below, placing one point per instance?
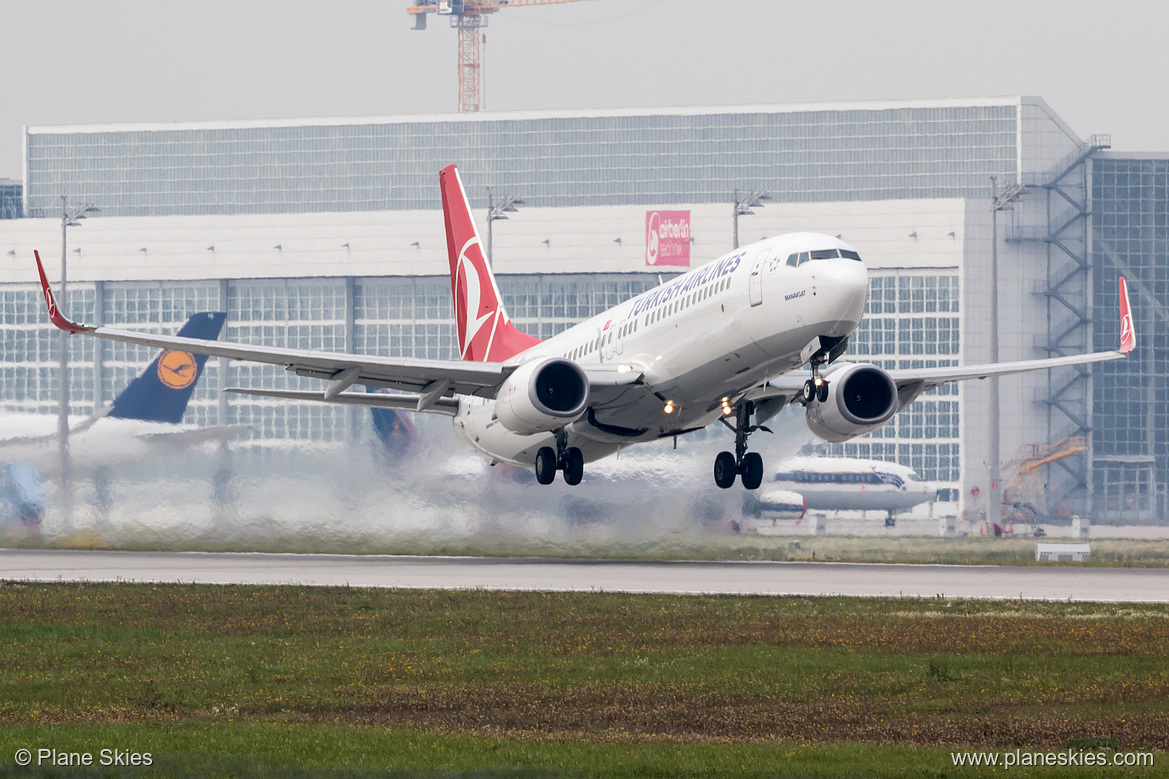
(563, 458)
(749, 465)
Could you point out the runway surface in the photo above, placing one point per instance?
(745, 578)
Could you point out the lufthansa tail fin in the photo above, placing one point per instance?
(161, 392)
(486, 334)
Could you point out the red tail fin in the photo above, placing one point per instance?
(486, 334)
(1128, 333)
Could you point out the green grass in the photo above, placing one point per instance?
(969, 550)
(252, 680)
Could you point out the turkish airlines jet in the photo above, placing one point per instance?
(722, 342)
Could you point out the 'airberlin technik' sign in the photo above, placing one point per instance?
(667, 238)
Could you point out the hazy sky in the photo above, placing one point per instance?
(1102, 67)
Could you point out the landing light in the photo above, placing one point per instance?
(624, 368)
(669, 407)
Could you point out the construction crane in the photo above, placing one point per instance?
(468, 16)
(1025, 494)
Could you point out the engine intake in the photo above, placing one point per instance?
(542, 395)
(861, 398)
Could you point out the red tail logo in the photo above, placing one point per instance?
(1128, 333)
(486, 334)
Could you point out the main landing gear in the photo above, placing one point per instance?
(563, 458)
(749, 465)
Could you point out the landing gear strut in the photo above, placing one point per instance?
(749, 465)
(563, 458)
(815, 388)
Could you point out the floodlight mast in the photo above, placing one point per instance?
(999, 202)
(743, 206)
(70, 217)
(496, 211)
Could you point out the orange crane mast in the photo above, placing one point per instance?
(468, 16)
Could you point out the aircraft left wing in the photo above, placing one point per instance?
(432, 379)
(911, 382)
(344, 370)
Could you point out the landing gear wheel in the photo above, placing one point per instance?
(822, 394)
(890, 522)
(725, 470)
(808, 393)
(573, 466)
(546, 465)
(752, 470)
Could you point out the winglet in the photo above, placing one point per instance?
(55, 315)
(1128, 333)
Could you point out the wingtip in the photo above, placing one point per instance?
(1128, 333)
(55, 315)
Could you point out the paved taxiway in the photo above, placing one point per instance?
(757, 578)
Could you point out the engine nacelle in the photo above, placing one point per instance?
(861, 398)
(775, 503)
(542, 395)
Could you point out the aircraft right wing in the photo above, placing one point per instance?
(911, 382)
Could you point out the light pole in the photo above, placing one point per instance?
(506, 205)
(994, 509)
(743, 207)
(70, 217)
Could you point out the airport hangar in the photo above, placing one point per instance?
(327, 233)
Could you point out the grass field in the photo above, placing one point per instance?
(970, 550)
(258, 681)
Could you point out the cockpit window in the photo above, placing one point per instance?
(803, 257)
(825, 254)
(848, 254)
(793, 260)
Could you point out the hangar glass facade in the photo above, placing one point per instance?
(11, 199)
(931, 151)
(1130, 237)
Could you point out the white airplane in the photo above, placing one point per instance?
(847, 484)
(141, 421)
(721, 342)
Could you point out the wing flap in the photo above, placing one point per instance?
(396, 401)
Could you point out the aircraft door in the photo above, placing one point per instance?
(755, 285)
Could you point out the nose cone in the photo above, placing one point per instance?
(845, 287)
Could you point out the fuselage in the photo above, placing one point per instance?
(711, 333)
(31, 439)
(842, 484)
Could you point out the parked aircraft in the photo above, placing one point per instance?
(846, 484)
(143, 421)
(722, 342)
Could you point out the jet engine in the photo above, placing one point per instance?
(861, 398)
(542, 395)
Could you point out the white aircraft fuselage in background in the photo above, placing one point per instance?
(32, 439)
(848, 484)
